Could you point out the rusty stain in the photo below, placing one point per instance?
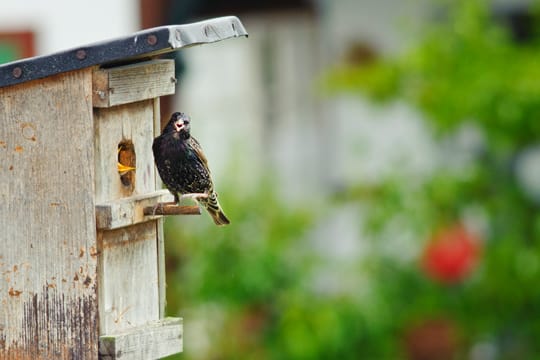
(15, 268)
(18, 148)
(13, 292)
(76, 277)
(87, 281)
(93, 251)
(28, 131)
(3, 144)
(81, 252)
(10, 167)
(64, 280)
(51, 285)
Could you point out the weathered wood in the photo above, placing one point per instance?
(128, 263)
(134, 82)
(48, 258)
(159, 225)
(112, 126)
(128, 277)
(151, 341)
(127, 211)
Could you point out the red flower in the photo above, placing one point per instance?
(451, 254)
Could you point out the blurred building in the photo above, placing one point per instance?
(262, 106)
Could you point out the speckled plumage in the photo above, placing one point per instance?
(183, 166)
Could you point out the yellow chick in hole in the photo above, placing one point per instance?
(123, 169)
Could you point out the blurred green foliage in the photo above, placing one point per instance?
(250, 287)
(466, 68)
(465, 71)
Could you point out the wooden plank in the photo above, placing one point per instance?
(48, 258)
(127, 211)
(134, 82)
(159, 224)
(128, 277)
(125, 123)
(133, 210)
(151, 341)
(162, 285)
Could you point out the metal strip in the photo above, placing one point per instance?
(142, 44)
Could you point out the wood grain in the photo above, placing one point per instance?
(134, 82)
(48, 263)
(159, 224)
(130, 210)
(150, 341)
(112, 126)
(128, 277)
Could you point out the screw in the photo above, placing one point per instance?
(81, 54)
(17, 72)
(151, 39)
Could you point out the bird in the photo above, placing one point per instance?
(123, 169)
(183, 167)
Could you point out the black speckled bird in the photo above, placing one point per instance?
(183, 167)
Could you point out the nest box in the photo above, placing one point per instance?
(82, 268)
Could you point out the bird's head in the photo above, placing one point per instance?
(179, 125)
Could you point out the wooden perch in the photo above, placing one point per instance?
(171, 209)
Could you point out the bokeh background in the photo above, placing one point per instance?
(379, 161)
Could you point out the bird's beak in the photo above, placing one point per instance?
(123, 169)
(179, 125)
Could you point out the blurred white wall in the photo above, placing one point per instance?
(62, 24)
(257, 101)
(253, 102)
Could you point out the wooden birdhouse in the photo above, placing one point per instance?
(81, 263)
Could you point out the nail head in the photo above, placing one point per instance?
(151, 39)
(81, 54)
(17, 72)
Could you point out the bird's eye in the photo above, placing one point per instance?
(186, 122)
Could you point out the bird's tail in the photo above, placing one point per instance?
(214, 209)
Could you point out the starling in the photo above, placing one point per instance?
(183, 167)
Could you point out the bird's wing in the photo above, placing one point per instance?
(198, 150)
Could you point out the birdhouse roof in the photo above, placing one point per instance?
(140, 45)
